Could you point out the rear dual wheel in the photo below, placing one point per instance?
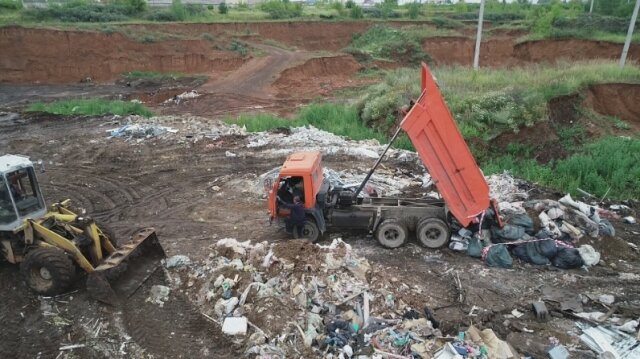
(432, 233)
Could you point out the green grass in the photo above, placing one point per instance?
(339, 119)
(154, 76)
(611, 164)
(91, 107)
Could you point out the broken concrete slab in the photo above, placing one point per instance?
(235, 326)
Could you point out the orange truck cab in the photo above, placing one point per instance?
(442, 149)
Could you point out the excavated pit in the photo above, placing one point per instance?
(32, 55)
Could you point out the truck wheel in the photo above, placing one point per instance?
(432, 233)
(391, 233)
(310, 231)
(48, 271)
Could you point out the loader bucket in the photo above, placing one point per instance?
(120, 274)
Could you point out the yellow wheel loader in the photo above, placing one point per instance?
(53, 245)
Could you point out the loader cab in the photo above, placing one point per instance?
(20, 196)
(301, 175)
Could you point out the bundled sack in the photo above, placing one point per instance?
(497, 255)
(567, 258)
(521, 220)
(536, 252)
(507, 233)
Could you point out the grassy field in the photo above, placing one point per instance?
(91, 107)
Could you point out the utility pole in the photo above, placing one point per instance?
(627, 42)
(591, 8)
(476, 56)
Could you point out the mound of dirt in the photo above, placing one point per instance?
(55, 56)
(570, 49)
(503, 51)
(458, 50)
(617, 99)
(318, 76)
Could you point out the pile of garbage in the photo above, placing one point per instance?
(298, 299)
(140, 131)
(552, 238)
(309, 138)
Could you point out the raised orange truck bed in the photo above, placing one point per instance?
(441, 147)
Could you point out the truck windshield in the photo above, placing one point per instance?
(24, 190)
(7, 213)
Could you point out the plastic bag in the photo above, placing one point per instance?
(606, 228)
(498, 256)
(529, 253)
(567, 258)
(522, 220)
(474, 249)
(507, 233)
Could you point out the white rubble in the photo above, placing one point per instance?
(235, 326)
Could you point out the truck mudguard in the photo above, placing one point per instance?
(443, 151)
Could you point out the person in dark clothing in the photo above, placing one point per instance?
(296, 217)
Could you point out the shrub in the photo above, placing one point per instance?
(178, 10)
(10, 4)
(413, 10)
(239, 47)
(355, 12)
(134, 6)
(446, 23)
(80, 12)
(402, 45)
(278, 9)
(223, 8)
(349, 4)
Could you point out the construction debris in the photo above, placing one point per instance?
(140, 131)
(319, 297)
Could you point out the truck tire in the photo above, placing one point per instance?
(310, 231)
(48, 270)
(391, 233)
(432, 233)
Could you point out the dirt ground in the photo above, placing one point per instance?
(194, 194)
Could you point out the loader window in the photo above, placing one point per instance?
(24, 190)
(7, 213)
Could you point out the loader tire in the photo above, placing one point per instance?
(48, 271)
(391, 233)
(432, 233)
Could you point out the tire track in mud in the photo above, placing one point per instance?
(24, 331)
(175, 330)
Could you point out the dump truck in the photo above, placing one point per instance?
(52, 244)
(444, 153)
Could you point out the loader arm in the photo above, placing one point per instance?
(445, 154)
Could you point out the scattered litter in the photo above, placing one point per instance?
(607, 299)
(140, 131)
(629, 220)
(159, 294)
(177, 261)
(540, 310)
(602, 340)
(559, 352)
(235, 326)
